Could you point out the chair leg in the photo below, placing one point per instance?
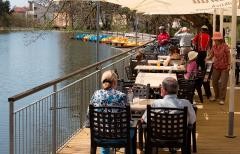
(237, 75)
(194, 142)
(187, 147)
(199, 91)
(140, 137)
(93, 149)
(148, 149)
(127, 149)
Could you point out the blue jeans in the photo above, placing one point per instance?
(163, 50)
(104, 150)
(107, 150)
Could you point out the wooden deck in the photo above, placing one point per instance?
(212, 125)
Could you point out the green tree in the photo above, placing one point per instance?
(4, 13)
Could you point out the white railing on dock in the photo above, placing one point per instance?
(45, 125)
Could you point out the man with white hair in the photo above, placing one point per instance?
(169, 90)
(185, 41)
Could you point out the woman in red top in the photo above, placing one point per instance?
(221, 64)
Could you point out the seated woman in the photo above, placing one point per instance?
(192, 67)
(174, 57)
(140, 60)
(108, 96)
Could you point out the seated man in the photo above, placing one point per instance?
(169, 91)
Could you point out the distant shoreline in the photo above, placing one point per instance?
(15, 29)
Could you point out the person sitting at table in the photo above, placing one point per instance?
(174, 55)
(108, 96)
(140, 60)
(140, 57)
(169, 90)
(192, 67)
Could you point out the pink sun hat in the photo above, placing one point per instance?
(217, 36)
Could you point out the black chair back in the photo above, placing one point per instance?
(186, 89)
(166, 128)
(151, 56)
(110, 127)
(134, 63)
(123, 86)
(130, 75)
(141, 91)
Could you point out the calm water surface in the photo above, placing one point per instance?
(29, 59)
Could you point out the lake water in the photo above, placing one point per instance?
(28, 59)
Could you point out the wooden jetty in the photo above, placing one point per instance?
(212, 126)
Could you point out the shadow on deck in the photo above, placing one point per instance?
(212, 126)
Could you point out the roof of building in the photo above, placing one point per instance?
(20, 9)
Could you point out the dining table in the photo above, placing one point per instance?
(150, 68)
(161, 61)
(140, 104)
(154, 79)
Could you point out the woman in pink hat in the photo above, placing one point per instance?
(221, 65)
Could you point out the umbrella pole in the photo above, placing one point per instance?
(232, 72)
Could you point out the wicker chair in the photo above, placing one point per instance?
(110, 127)
(166, 128)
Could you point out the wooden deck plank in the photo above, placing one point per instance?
(212, 125)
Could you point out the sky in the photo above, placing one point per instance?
(18, 3)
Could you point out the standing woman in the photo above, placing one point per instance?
(221, 65)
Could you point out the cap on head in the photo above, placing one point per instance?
(161, 28)
(217, 36)
(192, 55)
(204, 27)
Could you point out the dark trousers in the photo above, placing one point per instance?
(201, 59)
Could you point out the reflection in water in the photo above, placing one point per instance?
(23, 66)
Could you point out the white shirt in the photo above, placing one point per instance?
(172, 101)
(185, 39)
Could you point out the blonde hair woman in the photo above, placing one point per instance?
(108, 96)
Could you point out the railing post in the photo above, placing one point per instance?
(54, 120)
(11, 127)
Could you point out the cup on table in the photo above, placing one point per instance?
(175, 65)
(158, 63)
(136, 100)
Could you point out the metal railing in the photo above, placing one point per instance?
(45, 125)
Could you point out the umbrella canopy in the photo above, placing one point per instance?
(176, 6)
